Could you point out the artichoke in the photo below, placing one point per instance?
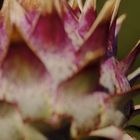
(60, 78)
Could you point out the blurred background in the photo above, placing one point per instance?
(130, 31)
(128, 37)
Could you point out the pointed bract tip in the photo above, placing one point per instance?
(76, 3)
(138, 43)
(119, 23)
(121, 99)
(90, 57)
(80, 4)
(129, 60)
(137, 107)
(89, 4)
(42, 6)
(121, 19)
(106, 14)
(132, 77)
(115, 11)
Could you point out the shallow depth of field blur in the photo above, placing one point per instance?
(128, 37)
(130, 31)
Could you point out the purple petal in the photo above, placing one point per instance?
(112, 77)
(97, 41)
(112, 47)
(87, 17)
(98, 34)
(71, 24)
(46, 36)
(129, 60)
(75, 7)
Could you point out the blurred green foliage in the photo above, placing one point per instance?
(128, 37)
(130, 31)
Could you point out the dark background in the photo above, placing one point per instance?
(1, 2)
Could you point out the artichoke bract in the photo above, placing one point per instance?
(59, 75)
